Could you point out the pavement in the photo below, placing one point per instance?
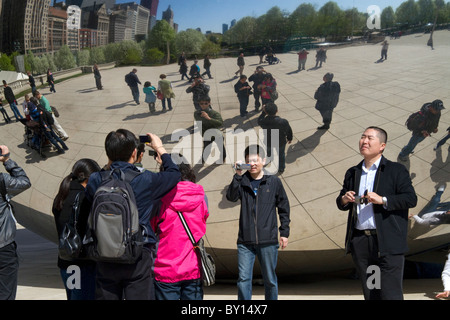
(39, 279)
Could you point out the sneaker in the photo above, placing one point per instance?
(441, 188)
(435, 148)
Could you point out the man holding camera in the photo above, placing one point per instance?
(210, 120)
(117, 281)
(257, 78)
(11, 184)
(261, 196)
(377, 193)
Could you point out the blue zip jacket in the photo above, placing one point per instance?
(148, 187)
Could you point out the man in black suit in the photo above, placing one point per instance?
(377, 193)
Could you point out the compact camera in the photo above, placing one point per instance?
(143, 138)
(243, 166)
(361, 200)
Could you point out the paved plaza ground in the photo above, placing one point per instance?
(373, 93)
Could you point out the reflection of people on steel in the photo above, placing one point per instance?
(443, 140)
(436, 213)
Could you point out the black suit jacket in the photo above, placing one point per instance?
(392, 181)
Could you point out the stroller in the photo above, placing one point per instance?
(34, 136)
(272, 60)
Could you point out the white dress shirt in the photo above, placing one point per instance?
(366, 219)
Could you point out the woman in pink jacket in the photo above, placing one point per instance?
(177, 272)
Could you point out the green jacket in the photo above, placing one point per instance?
(44, 102)
(215, 122)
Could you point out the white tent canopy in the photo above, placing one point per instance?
(11, 76)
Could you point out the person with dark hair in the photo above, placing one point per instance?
(11, 98)
(243, 91)
(165, 87)
(207, 66)
(210, 120)
(132, 81)
(51, 80)
(262, 196)
(32, 82)
(97, 77)
(198, 89)
(276, 128)
(116, 281)
(177, 267)
(183, 70)
(36, 110)
(74, 185)
(268, 87)
(257, 78)
(241, 64)
(140, 156)
(429, 114)
(321, 56)
(327, 96)
(150, 96)
(194, 71)
(15, 181)
(377, 193)
(56, 126)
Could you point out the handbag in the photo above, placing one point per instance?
(55, 111)
(7, 219)
(159, 95)
(70, 242)
(208, 266)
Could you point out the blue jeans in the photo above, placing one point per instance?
(435, 204)
(54, 139)
(87, 283)
(267, 257)
(15, 111)
(415, 139)
(135, 93)
(182, 290)
(169, 103)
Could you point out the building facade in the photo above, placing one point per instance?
(57, 29)
(138, 18)
(96, 18)
(25, 26)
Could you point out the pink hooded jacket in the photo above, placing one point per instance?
(176, 259)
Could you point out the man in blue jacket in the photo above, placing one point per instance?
(261, 196)
(132, 81)
(134, 281)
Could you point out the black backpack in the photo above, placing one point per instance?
(415, 121)
(128, 78)
(113, 232)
